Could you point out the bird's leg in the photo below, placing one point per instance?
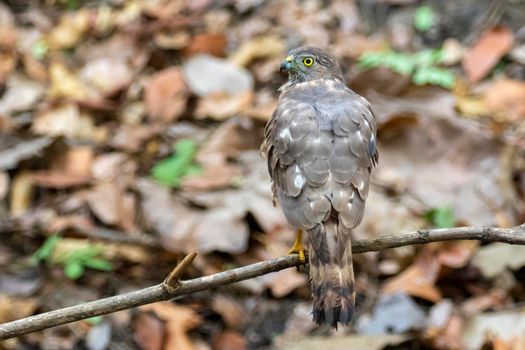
(297, 247)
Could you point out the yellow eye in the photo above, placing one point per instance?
(308, 61)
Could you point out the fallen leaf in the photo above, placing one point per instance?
(4, 184)
(71, 168)
(131, 138)
(505, 99)
(18, 150)
(257, 48)
(494, 258)
(506, 325)
(286, 281)
(69, 30)
(487, 52)
(456, 254)
(21, 95)
(220, 106)
(385, 317)
(165, 95)
(149, 332)
(65, 84)
(106, 75)
(67, 120)
(169, 217)
(21, 193)
(477, 304)
(419, 279)
(172, 40)
(179, 320)
(230, 309)
(345, 342)
(99, 336)
(208, 43)
(229, 340)
(16, 308)
(106, 202)
(114, 166)
(206, 75)
(222, 229)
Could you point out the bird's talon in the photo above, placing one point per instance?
(298, 248)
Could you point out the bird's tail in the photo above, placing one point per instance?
(331, 273)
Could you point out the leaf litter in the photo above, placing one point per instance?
(144, 119)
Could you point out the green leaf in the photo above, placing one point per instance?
(434, 76)
(428, 57)
(400, 63)
(442, 217)
(94, 320)
(46, 250)
(372, 59)
(424, 18)
(74, 270)
(79, 255)
(39, 50)
(171, 170)
(98, 264)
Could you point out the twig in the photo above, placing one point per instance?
(159, 292)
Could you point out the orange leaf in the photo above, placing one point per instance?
(486, 53)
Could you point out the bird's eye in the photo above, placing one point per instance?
(308, 61)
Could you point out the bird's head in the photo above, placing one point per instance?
(310, 63)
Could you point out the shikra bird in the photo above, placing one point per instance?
(320, 145)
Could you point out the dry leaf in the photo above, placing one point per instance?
(65, 83)
(230, 309)
(69, 30)
(165, 95)
(456, 254)
(67, 120)
(106, 75)
(286, 281)
(21, 95)
(4, 185)
(220, 106)
(106, 201)
(13, 308)
(506, 100)
(21, 192)
(261, 47)
(487, 52)
(131, 138)
(19, 150)
(149, 332)
(208, 43)
(179, 320)
(230, 340)
(419, 279)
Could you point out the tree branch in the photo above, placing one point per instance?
(173, 287)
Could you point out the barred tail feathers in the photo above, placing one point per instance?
(331, 273)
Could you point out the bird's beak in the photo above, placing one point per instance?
(286, 64)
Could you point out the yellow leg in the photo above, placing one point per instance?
(298, 247)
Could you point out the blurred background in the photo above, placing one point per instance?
(130, 134)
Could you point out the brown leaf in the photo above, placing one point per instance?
(70, 169)
(230, 309)
(21, 193)
(487, 52)
(67, 120)
(149, 332)
(4, 185)
(418, 279)
(69, 30)
(220, 106)
(286, 281)
(260, 47)
(107, 75)
(13, 308)
(229, 340)
(209, 43)
(165, 95)
(179, 320)
(106, 201)
(456, 254)
(505, 99)
(131, 138)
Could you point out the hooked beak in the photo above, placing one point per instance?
(286, 65)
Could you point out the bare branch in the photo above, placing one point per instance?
(160, 292)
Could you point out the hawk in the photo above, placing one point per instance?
(320, 145)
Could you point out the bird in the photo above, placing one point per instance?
(320, 147)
